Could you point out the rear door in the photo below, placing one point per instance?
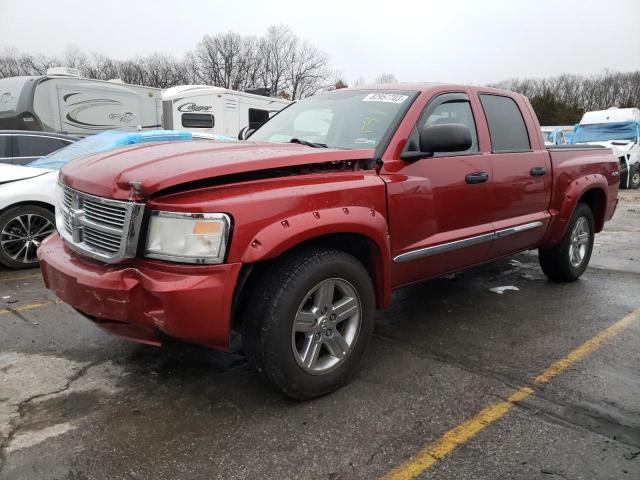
(521, 174)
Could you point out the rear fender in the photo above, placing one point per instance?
(574, 193)
(277, 238)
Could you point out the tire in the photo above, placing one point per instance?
(290, 317)
(22, 229)
(568, 260)
(634, 181)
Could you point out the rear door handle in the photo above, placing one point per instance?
(537, 171)
(477, 177)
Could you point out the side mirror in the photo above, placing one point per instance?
(448, 137)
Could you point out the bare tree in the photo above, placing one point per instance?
(386, 78)
(275, 50)
(596, 92)
(306, 72)
(359, 82)
(286, 65)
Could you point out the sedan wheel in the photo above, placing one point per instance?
(22, 230)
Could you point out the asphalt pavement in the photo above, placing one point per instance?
(433, 398)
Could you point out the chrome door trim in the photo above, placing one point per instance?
(466, 242)
(443, 247)
(517, 229)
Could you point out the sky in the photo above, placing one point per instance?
(462, 41)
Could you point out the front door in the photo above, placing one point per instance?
(439, 214)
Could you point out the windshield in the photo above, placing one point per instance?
(604, 132)
(347, 119)
(103, 142)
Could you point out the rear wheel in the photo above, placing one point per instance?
(309, 322)
(568, 260)
(22, 229)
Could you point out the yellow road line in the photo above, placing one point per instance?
(21, 277)
(28, 306)
(455, 437)
(586, 348)
(447, 443)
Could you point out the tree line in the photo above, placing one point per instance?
(561, 100)
(293, 68)
(279, 60)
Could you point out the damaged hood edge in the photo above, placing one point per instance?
(139, 171)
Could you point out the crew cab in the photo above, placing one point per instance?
(295, 236)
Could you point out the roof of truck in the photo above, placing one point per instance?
(426, 86)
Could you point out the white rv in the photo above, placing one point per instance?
(619, 130)
(64, 102)
(201, 108)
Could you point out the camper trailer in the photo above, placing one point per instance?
(201, 108)
(62, 101)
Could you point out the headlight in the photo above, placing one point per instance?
(59, 205)
(187, 237)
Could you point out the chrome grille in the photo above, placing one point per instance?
(103, 213)
(99, 227)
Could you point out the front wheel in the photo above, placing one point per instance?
(309, 321)
(22, 229)
(568, 260)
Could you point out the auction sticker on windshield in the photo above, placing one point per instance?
(385, 97)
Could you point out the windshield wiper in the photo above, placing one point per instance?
(307, 143)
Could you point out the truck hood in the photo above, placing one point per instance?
(139, 171)
(12, 173)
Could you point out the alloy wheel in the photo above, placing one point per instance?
(580, 236)
(22, 235)
(326, 326)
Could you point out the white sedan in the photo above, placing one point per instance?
(27, 193)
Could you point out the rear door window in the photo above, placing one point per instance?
(35, 146)
(506, 125)
(5, 146)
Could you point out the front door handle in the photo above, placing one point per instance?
(477, 177)
(537, 171)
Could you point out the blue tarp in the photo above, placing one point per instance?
(604, 132)
(106, 141)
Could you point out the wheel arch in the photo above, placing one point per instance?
(592, 190)
(374, 258)
(596, 199)
(34, 203)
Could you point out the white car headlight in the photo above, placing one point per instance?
(59, 205)
(187, 237)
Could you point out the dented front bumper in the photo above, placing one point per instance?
(141, 298)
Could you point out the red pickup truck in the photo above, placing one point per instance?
(295, 236)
